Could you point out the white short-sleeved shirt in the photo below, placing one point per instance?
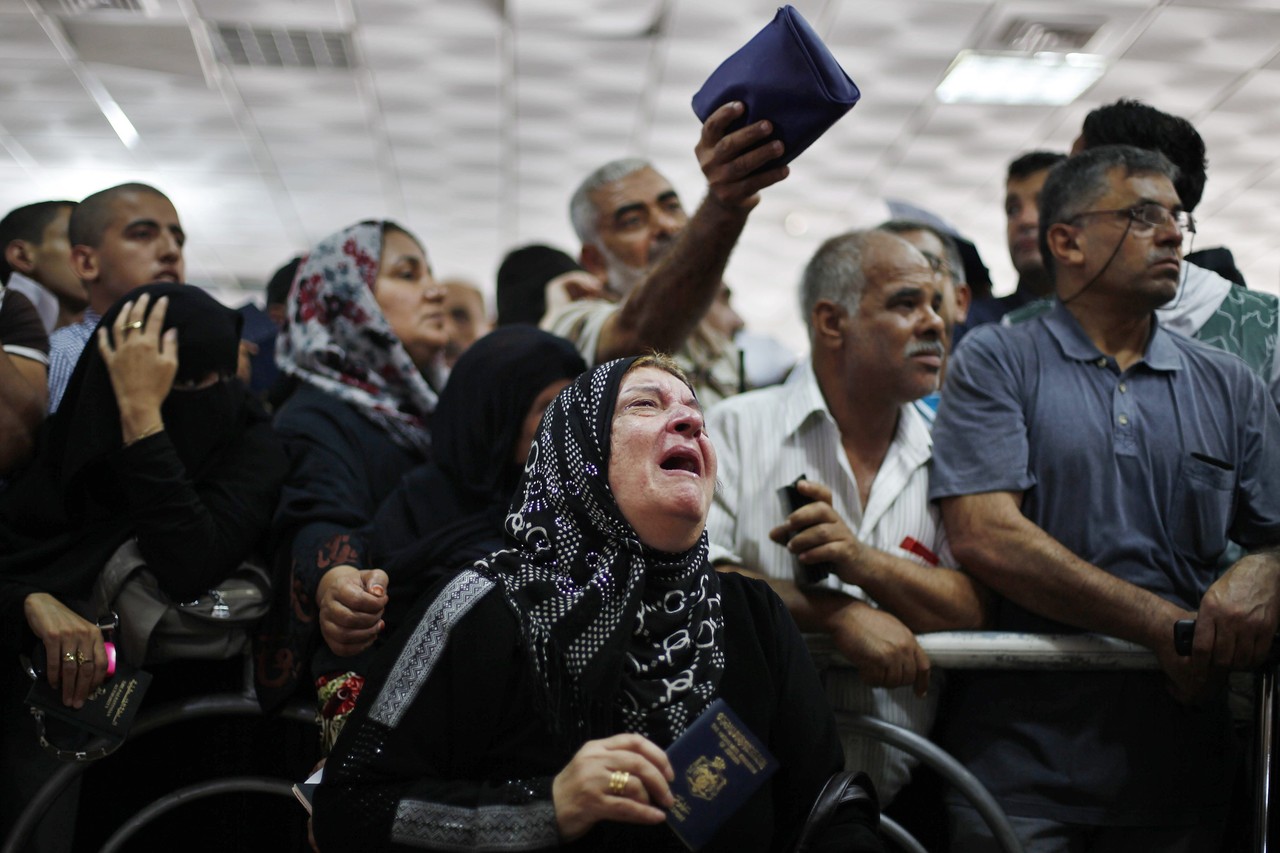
(766, 439)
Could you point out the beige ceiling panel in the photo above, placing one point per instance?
(322, 214)
(444, 52)
(280, 87)
(322, 156)
(1256, 97)
(1181, 89)
(78, 152)
(728, 25)
(320, 14)
(208, 157)
(39, 81)
(429, 17)
(1221, 38)
(21, 37)
(66, 119)
(876, 30)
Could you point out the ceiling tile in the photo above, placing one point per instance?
(1221, 38)
(476, 130)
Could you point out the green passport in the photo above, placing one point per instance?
(718, 764)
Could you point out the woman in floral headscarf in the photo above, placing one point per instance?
(530, 706)
(364, 337)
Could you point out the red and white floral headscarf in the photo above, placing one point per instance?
(337, 339)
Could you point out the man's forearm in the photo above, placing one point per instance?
(664, 309)
(1017, 559)
(925, 599)
(812, 608)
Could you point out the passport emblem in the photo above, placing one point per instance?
(706, 777)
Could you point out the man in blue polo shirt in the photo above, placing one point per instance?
(1091, 467)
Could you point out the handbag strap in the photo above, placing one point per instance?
(123, 562)
(842, 788)
(141, 604)
(99, 747)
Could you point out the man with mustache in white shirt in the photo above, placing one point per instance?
(845, 420)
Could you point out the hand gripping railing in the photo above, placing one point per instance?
(1001, 650)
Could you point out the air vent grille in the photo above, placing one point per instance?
(282, 47)
(1055, 36)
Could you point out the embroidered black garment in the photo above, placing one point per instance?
(613, 627)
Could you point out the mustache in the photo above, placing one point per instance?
(660, 249)
(926, 348)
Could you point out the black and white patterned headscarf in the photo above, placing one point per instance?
(618, 633)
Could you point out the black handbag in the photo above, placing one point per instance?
(155, 629)
(841, 789)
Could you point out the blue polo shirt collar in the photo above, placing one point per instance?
(1161, 354)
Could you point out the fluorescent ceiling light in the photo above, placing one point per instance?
(1017, 78)
(119, 121)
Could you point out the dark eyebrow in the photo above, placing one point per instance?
(906, 292)
(1175, 208)
(634, 207)
(149, 223)
(669, 195)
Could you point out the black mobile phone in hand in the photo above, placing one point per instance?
(805, 574)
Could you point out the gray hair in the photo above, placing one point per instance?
(834, 273)
(950, 250)
(582, 210)
(1076, 184)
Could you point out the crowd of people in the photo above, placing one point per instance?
(514, 561)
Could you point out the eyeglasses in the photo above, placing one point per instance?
(939, 265)
(1149, 215)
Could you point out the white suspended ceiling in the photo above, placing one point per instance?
(471, 121)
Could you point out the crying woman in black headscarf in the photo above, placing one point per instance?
(155, 440)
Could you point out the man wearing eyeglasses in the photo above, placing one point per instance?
(1090, 467)
(1208, 307)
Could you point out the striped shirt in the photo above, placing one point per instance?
(65, 346)
(764, 440)
(710, 359)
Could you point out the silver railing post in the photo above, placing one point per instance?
(1264, 727)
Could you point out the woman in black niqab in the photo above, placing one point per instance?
(155, 439)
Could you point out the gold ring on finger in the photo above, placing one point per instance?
(618, 780)
(81, 658)
(69, 656)
(136, 324)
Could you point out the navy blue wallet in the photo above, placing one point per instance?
(784, 74)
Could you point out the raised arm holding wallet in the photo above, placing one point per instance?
(784, 74)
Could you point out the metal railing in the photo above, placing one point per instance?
(211, 705)
(1003, 650)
